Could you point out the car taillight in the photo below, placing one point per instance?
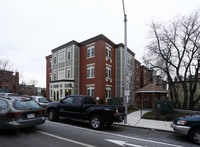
(10, 115)
(40, 111)
(13, 115)
(116, 111)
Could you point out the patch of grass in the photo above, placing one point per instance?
(152, 115)
(131, 110)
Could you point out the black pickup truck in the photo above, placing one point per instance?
(84, 108)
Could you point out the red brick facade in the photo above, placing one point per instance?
(100, 69)
(48, 72)
(9, 81)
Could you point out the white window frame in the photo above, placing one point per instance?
(61, 74)
(69, 54)
(50, 62)
(54, 76)
(90, 51)
(108, 73)
(108, 91)
(108, 53)
(69, 72)
(54, 59)
(91, 90)
(61, 56)
(50, 77)
(90, 71)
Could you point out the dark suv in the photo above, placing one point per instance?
(189, 125)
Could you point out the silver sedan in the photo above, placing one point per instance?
(20, 112)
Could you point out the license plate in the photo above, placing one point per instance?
(32, 115)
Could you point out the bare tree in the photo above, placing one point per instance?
(33, 82)
(4, 66)
(174, 50)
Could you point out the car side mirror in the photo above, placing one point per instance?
(61, 101)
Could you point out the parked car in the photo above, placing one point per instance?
(7, 94)
(43, 101)
(20, 112)
(84, 108)
(190, 126)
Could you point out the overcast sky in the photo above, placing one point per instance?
(30, 29)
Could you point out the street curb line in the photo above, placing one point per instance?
(126, 125)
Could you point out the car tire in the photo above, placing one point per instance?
(52, 115)
(195, 136)
(96, 122)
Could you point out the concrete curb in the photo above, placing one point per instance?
(126, 125)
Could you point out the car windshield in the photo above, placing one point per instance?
(43, 100)
(25, 105)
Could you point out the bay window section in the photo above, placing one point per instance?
(61, 56)
(61, 74)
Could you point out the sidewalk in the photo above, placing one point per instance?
(134, 119)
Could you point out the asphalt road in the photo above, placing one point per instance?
(78, 134)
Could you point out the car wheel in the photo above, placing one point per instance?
(52, 115)
(96, 122)
(195, 136)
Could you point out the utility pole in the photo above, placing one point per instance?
(126, 78)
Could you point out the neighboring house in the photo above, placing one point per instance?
(93, 67)
(179, 89)
(144, 78)
(137, 76)
(27, 90)
(9, 81)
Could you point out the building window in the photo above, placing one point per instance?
(108, 92)
(51, 93)
(50, 77)
(61, 92)
(50, 64)
(90, 71)
(54, 60)
(90, 91)
(131, 78)
(61, 56)
(108, 73)
(90, 51)
(69, 72)
(108, 52)
(138, 69)
(54, 76)
(138, 84)
(129, 60)
(68, 53)
(61, 74)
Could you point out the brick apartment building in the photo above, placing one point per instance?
(93, 67)
(9, 81)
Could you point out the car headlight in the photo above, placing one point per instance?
(181, 122)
